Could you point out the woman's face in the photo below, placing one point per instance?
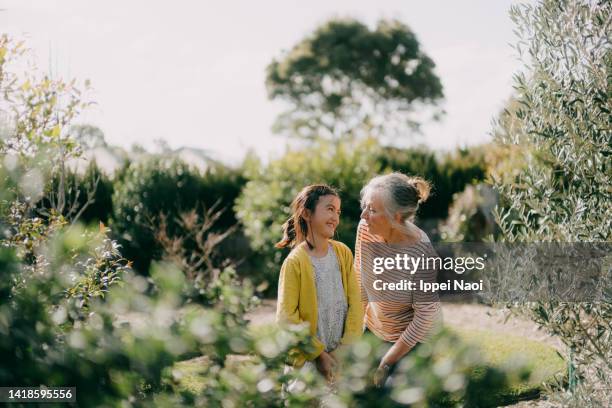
(326, 216)
(375, 216)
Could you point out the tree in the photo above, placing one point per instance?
(38, 111)
(88, 136)
(562, 194)
(347, 80)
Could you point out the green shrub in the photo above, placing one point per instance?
(470, 217)
(65, 320)
(159, 186)
(89, 196)
(458, 368)
(123, 349)
(101, 208)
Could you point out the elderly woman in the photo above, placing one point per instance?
(389, 204)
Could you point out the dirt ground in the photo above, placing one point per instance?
(459, 315)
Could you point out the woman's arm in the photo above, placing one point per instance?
(353, 327)
(426, 308)
(425, 315)
(357, 267)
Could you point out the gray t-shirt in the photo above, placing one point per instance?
(332, 305)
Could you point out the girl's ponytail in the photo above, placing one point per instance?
(288, 234)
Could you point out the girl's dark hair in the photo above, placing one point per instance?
(295, 229)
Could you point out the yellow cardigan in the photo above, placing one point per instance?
(297, 297)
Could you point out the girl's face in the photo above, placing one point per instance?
(326, 216)
(374, 215)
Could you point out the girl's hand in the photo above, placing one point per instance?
(335, 353)
(326, 364)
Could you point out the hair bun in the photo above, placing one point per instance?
(422, 187)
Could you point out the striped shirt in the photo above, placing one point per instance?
(409, 316)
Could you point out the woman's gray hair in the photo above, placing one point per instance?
(400, 194)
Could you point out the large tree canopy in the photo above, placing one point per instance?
(346, 80)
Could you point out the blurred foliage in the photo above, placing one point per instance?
(36, 112)
(452, 369)
(161, 186)
(33, 154)
(73, 313)
(345, 80)
(563, 191)
(90, 195)
(156, 186)
(123, 350)
(463, 368)
(470, 217)
(505, 161)
(88, 136)
(193, 248)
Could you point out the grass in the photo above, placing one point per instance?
(539, 362)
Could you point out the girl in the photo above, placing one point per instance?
(317, 281)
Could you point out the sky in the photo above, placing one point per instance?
(193, 72)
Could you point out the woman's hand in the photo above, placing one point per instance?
(393, 355)
(381, 375)
(326, 365)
